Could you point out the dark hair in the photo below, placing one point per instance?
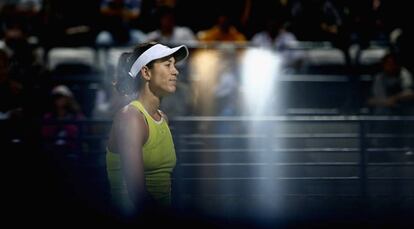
(124, 83)
(163, 11)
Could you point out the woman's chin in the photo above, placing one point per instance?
(169, 91)
(172, 89)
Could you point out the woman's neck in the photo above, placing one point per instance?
(150, 101)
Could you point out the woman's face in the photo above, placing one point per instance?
(164, 76)
(61, 102)
(391, 67)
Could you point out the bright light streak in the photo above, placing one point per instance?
(259, 85)
(260, 68)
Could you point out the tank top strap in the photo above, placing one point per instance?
(138, 105)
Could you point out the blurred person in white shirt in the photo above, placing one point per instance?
(168, 31)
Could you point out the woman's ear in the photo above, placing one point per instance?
(145, 72)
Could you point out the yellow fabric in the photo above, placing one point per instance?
(159, 161)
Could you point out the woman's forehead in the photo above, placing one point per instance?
(167, 58)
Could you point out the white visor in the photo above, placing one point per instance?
(157, 51)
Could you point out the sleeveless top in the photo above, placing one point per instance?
(159, 161)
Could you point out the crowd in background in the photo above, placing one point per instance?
(120, 22)
(26, 25)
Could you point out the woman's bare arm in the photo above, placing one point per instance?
(130, 133)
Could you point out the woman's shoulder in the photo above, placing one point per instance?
(129, 121)
(128, 113)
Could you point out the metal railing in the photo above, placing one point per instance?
(209, 161)
(317, 159)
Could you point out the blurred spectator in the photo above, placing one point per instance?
(321, 20)
(69, 23)
(25, 13)
(63, 107)
(227, 100)
(372, 21)
(147, 20)
(278, 38)
(401, 42)
(167, 3)
(25, 63)
(222, 30)
(25, 66)
(30, 5)
(117, 19)
(275, 36)
(392, 94)
(11, 91)
(226, 92)
(168, 32)
(315, 20)
(392, 89)
(257, 13)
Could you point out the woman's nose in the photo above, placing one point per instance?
(175, 71)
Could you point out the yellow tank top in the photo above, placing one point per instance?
(159, 161)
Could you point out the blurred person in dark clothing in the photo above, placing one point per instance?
(69, 23)
(257, 13)
(22, 53)
(315, 20)
(25, 65)
(392, 95)
(27, 13)
(11, 91)
(372, 20)
(392, 89)
(321, 20)
(63, 107)
(118, 17)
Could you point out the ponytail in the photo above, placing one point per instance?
(124, 83)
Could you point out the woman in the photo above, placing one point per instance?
(141, 154)
(63, 107)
